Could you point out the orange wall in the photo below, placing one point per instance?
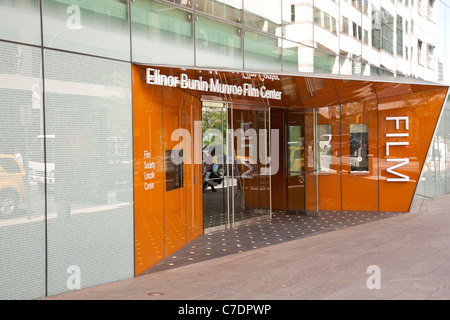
(164, 220)
(423, 109)
(368, 103)
(360, 191)
(148, 204)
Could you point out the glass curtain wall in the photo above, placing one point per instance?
(367, 37)
(66, 202)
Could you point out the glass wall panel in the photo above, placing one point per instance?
(447, 146)
(328, 157)
(439, 155)
(90, 202)
(326, 25)
(325, 62)
(429, 174)
(290, 56)
(261, 52)
(371, 53)
(225, 9)
(351, 30)
(263, 15)
(22, 204)
(161, 34)
(218, 44)
(20, 21)
(297, 20)
(250, 147)
(94, 27)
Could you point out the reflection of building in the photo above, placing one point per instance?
(345, 83)
(365, 37)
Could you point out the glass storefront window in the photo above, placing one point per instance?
(161, 33)
(90, 198)
(359, 147)
(20, 21)
(94, 27)
(217, 44)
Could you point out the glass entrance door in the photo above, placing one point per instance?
(215, 176)
(236, 180)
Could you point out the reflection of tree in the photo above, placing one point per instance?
(212, 119)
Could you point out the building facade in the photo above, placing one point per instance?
(129, 128)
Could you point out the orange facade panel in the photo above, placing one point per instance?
(168, 199)
(148, 174)
(406, 126)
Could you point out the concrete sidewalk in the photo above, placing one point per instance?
(412, 251)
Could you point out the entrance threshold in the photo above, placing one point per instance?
(236, 224)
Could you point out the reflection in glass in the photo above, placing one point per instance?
(87, 26)
(225, 9)
(215, 184)
(20, 21)
(250, 149)
(325, 62)
(22, 202)
(298, 21)
(359, 147)
(263, 15)
(296, 149)
(218, 44)
(323, 148)
(161, 33)
(174, 170)
(261, 51)
(91, 203)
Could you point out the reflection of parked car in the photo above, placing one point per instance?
(325, 143)
(36, 164)
(12, 184)
(355, 144)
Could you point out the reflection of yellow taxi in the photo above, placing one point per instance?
(296, 158)
(12, 184)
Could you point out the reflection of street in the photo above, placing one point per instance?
(32, 209)
(326, 161)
